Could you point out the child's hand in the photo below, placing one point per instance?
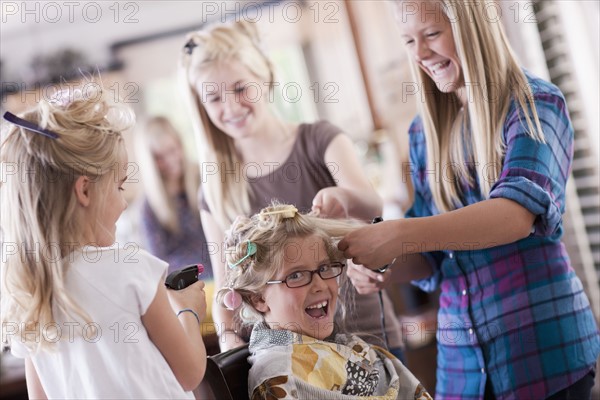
(192, 297)
(365, 280)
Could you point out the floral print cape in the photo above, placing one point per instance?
(287, 365)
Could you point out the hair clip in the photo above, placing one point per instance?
(250, 251)
(190, 46)
(232, 299)
(287, 212)
(30, 126)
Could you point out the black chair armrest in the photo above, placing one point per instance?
(227, 374)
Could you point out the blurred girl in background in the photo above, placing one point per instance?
(171, 226)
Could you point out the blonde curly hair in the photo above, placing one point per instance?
(269, 231)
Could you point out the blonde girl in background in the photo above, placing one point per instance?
(491, 152)
(283, 272)
(252, 157)
(92, 320)
(171, 226)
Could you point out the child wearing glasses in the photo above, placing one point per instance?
(283, 275)
(91, 319)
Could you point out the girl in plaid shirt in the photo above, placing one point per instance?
(490, 155)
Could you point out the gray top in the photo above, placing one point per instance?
(298, 179)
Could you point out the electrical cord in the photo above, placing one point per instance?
(380, 293)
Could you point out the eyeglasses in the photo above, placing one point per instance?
(302, 278)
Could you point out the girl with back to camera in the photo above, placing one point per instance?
(252, 157)
(490, 153)
(92, 320)
(283, 271)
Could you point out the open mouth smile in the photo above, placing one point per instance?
(318, 310)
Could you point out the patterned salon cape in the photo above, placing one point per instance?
(287, 365)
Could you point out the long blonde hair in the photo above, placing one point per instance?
(491, 68)
(39, 208)
(270, 230)
(161, 204)
(239, 41)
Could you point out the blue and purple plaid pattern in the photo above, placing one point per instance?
(515, 314)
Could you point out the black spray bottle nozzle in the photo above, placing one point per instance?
(184, 277)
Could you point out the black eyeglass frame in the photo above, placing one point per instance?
(318, 271)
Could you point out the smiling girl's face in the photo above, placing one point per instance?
(234, 98)
(309, 309)
(427, 34)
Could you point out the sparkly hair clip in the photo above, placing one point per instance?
(190, 46)
(63, 98)
(250, 251)
(30, 126)
(287, 212)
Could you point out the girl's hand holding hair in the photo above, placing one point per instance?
(354, 196)
(373, 246)
(367, 281)
(331, 202)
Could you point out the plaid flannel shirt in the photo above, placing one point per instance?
(515, 314)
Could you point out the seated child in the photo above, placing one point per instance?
(92, 320)
(283, 276)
